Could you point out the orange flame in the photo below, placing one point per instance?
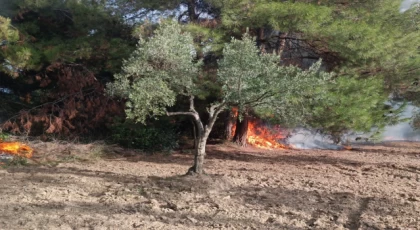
(16, 148)
(263, 137)
(347, 147)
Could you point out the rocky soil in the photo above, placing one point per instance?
(69, 186)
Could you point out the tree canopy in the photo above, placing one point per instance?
(326, 64)
(356, 40)
(54, 60)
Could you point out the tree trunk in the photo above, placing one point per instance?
(202, 132)
(241, 132)
(336, 139)
(200, 153)
(191, 11)
(230, 119)
(194, 129)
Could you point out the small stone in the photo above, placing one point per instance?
(192, 220)
(164, 218)
(154, 202)
(83, 194)
(270, 220)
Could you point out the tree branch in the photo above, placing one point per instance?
(260, 98)
(213, 111)
(191, 112)
(192, 107)
(180, 113)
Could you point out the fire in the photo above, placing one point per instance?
(263, 137)
(347, 147)
(16, 148)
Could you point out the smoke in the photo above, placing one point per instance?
(406, 4)
(404, 131)
(308, 139)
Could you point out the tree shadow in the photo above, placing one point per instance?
(281, 158)
(160, 158)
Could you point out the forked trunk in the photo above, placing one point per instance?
(202, 132)
(241, 132)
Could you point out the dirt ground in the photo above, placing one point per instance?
(105, 187)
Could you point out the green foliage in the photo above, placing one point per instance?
(164, 66)
(245, 74)
(3, 136)
(295, 95)
(161, 137)
(254, 80)
(363, 38)
(17, 161)
(353, 104)
(158, 70)
(7, 33)
(65, 31)
(381, 43)
(366, 39)
(415, 123)
(289, 16)
(370, 43)
(207, 39)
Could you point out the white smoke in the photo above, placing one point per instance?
(310, 139)
(403, 131)
(406, 4)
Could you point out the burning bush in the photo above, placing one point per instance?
(264, 136)
(16, 149)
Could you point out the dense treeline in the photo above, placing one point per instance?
(58, 56)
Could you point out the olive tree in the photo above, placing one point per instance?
(255, 81)
(165, 66)
(160, 69)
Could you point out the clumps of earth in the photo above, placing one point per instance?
(70, 186)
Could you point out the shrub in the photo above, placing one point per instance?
(153, 138)
(3, 136)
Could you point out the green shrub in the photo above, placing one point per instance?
(3, 136)
(18, 161)
(153, 138)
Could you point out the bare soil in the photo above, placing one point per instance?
(69, 186)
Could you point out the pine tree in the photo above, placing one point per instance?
(57, 62)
